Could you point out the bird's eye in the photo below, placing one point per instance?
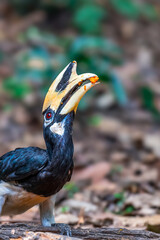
(48, 116)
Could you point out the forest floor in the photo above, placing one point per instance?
(116, 179)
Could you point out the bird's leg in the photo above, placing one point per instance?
(47, 211)
(2, 201)
(47, 216)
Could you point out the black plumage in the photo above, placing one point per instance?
(43, 172)
(18, 164)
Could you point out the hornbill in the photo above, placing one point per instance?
(31, 176)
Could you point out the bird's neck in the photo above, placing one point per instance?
(60, 147)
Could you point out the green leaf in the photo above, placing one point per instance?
(119, 196)
(126, 7)
(88, 18)
(129, 209)
(148, 98)
(95, 120)
(71, 189)
(149, 11)
(16, 88)
(64, 209)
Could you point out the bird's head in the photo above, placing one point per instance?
(63, 97)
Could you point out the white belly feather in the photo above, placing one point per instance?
(17, 200)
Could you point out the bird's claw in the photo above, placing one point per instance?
(64, 229)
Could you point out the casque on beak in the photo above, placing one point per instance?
(67, 89)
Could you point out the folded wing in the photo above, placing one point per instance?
(21, 163)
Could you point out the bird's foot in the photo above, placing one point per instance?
(65, 229)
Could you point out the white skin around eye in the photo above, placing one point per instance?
(47, 122)
(58, 128)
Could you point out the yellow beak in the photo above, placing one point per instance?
(68, 88)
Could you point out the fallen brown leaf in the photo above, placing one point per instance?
(95, 172)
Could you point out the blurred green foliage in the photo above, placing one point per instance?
(48, 52)
(134, 9)
(120, 202)
(88, 18)
(95, 120)
(71, 189)
(65, 209)
(148, 98)
(126, 7)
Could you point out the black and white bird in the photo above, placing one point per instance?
(31, 176)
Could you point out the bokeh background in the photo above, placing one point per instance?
(116, 131)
